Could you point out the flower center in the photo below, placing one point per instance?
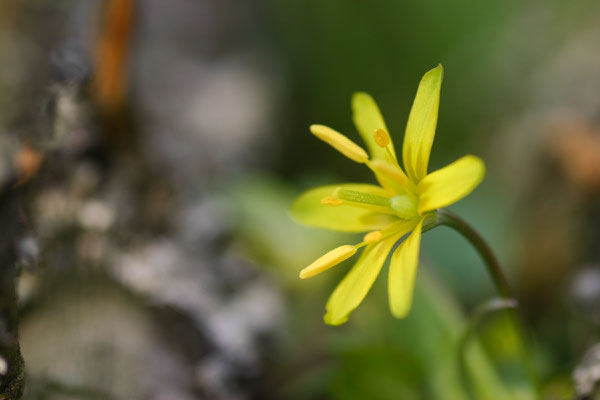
(405, 206)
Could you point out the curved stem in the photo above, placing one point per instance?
(445, 217)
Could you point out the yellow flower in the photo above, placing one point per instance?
(398, 206)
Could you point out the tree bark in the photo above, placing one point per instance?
(12, 368)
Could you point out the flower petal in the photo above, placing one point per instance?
(422, 121)
(449, 184)
(356, 284)
(403, 268)
(367, 118)
(308, 210)
(328, 260)
(340, 142)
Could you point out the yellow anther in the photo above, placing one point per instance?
(331, 201)
(328, 260)
(340, 142)
(372, 237)
(382, 138)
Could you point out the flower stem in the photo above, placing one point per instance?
(445, 217)
(448, 218)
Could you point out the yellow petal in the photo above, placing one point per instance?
(422, 121)
(403, 268)
(328, 260)
(340, 142)
(308, 210)
(356, 284)
(450, 184)
(368, 119)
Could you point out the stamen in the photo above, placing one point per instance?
(372, 237)
(382, 138)
(340, 142)
(392, 176)
(397, 226)
(331, 201)
(390, 230)
(390, 156)
(328, 260)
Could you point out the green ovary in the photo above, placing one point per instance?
(405, 206)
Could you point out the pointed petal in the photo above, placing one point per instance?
(403, 270)
(356, 284)
(449, 184)
(328, 260)
(420, 129)
(340, 142)
(308, 210)
(367, 118)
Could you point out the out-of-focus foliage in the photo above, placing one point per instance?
(362, 361)
(164, 221)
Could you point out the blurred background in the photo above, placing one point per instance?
(151, 150)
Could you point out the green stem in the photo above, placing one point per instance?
(445, 217)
